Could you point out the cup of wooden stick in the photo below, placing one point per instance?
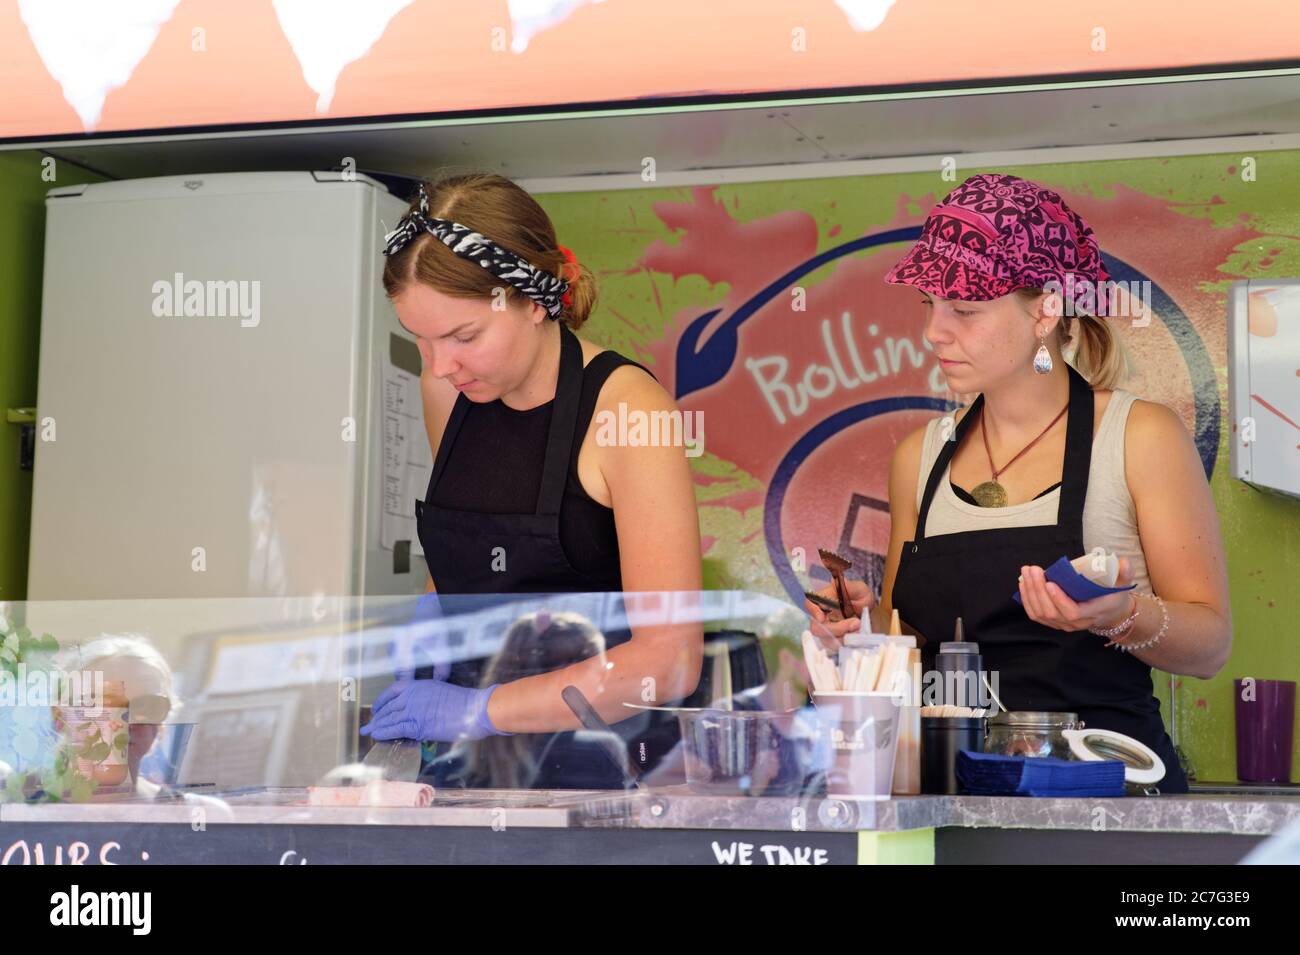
(859, 702)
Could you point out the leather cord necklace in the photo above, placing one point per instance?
(991, 493)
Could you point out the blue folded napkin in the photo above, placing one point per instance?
(1078, 587)
(989, 774)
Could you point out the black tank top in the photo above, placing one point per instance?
(495, 467)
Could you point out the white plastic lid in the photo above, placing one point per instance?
(1142, 764)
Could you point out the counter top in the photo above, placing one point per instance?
(1236, 815)
(678, 808)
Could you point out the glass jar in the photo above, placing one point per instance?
(1031, 733)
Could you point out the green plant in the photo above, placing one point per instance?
(28, 734)
(19, 646)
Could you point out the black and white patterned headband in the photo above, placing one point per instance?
(538, 284)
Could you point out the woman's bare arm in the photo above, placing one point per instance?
(653, 498)
(1179, 529)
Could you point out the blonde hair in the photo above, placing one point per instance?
(1098, 354)
(499, 209)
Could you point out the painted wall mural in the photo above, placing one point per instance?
(809, 369)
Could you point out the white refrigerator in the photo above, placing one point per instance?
(229, 445)
(227, 404)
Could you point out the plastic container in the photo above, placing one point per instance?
(746, 752)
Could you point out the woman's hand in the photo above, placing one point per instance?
(432, 710)
(1048, 604)
(830, 630)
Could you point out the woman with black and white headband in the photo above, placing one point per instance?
(524, 496)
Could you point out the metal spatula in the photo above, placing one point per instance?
(396, 759)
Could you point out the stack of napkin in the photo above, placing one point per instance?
(988, 774)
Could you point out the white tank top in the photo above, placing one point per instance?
(1109, 515)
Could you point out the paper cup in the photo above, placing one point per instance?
(863, 732)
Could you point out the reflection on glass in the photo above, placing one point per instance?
(536, 643)
(263, 699)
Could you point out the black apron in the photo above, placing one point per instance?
(973, 574)
(459, 547)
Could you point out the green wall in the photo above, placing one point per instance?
(22, 246)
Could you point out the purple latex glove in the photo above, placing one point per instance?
(431, 710)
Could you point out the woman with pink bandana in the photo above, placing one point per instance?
(1051, 459)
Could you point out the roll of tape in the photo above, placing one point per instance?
(1141, 763)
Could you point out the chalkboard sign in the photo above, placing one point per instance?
(37, 843)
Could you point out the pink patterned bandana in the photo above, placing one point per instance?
(996, 233)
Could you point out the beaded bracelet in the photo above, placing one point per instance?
(1119, 628)
(1164, 625)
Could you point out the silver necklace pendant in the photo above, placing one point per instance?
(1042, 360)
(990, 494)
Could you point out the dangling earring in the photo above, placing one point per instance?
(1042, 357)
